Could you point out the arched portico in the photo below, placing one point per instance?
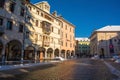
(29, 53)
(13, 50)
(49, 53)
(68, 54)
(63, 53)
(72, 53)
(41, 53)
(56, 53)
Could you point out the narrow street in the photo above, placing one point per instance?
(80, 69)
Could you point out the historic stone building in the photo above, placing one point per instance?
(105, 41)
(42, 32)
(12, 22)
(82, 47)
(67, 38)
(29, 32)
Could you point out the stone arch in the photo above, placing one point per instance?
(56, 52)
(68, 54)
(29, 53)
(41, 53)
(72, 53)
(63, 53)
(49, 52)
(13, 50)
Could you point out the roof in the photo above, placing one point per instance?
(110, 28)
(82, 39)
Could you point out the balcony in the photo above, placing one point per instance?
(46, 44)
(1, 31)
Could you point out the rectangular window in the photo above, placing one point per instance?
(66, 44)
(70, 29)
(21, 28)
(9, 25)
(1, 21)
(2, 2)
(27, 35)
(62, 43)
(66, 27)
(29, 8)
(22, 11)
(58, 31)
(12, 7)
(36, 22)
(52, 29)
(37, 12)
(66, 35)
(110, 41)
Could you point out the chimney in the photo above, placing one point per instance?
(54, 13)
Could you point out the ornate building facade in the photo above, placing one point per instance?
(43, 31)
(30, 32)
(12, 21)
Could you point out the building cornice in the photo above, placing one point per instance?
(45, 12)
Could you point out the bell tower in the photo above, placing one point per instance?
(44, 6)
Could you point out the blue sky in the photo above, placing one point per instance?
(87, 15)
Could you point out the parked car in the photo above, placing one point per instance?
(95, 57)
(57, 59)
(117, 60)
(115, 57)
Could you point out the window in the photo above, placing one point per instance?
(42, 14)
(36, 22)
(66, 27)
(29, 8)
(70, 29)
(12, 7)
(27, 34)
(9, 25)
(62, 34)
(21, 28)
(62, 43)
(28, 18)
(1, 21)
(110, 41)
(66, 44)
(2, 2)
(66, 35)
(58, 31)
(22, 11)
(41, 24)
(52, 29)
(37, 12)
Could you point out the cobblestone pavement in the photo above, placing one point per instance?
(80, 69)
